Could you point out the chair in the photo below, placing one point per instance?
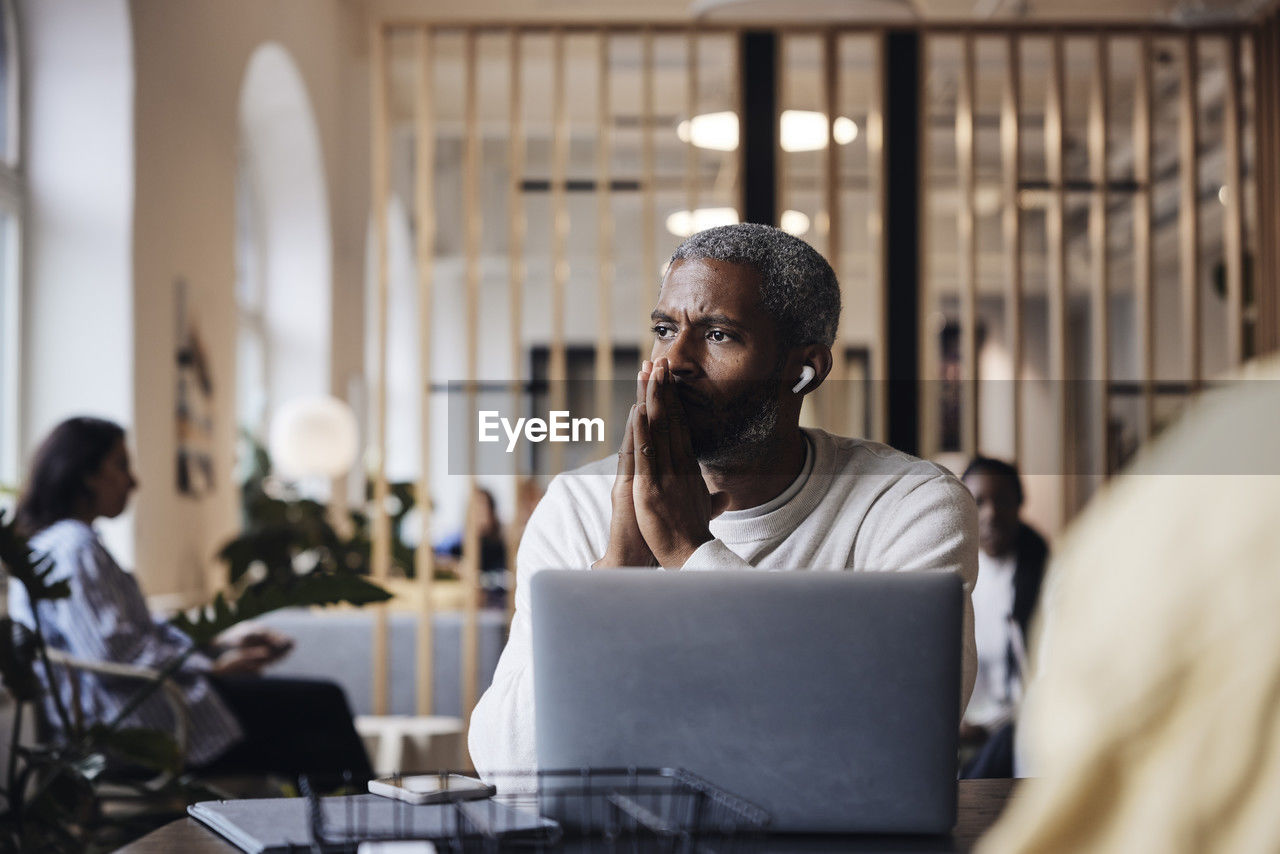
(225, 786)
(171, 692)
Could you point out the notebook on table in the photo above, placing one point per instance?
(280, 825)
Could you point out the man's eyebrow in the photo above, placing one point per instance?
(705, 320)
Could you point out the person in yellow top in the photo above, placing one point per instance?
(1153, 720)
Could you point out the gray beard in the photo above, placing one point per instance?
(746, 429)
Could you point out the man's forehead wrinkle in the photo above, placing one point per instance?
(708, 298)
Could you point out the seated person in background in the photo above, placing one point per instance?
(1011, 560)
(715, 471)
(493, 548)
(241, 723)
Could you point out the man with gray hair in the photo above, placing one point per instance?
(715, 471)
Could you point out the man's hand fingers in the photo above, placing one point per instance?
(642, 381)
(679, 443)
(653, 407)
(670, 402)
(644, 450)
(660, 426)
(626, 456)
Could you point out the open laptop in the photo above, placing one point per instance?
(830, 699)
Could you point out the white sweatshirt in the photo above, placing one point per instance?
(857, 505)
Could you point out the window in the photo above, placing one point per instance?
(251, 326)
(10, 245)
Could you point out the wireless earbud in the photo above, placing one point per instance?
(807, 373)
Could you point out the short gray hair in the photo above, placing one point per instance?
(797, 284)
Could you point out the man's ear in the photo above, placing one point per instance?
(815, 356)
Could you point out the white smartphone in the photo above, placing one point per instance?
(432, 788)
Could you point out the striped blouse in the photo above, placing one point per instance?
(106, 619)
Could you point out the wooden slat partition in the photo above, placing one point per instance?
(832, 227)
(1143, 244)
(424, 202)
(1100, 291)
(1189, 211)
(966, 163)
(380, 551)
(473, 225)
(1011, 224)
(1055, 237)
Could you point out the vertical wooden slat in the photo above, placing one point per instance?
(424, 204)
(648, 201)
(1011, 224)
(1055, 237)
(1269, 161)
(734, 99)
(559, 234)
(782, 183)
(877, 242)
(604, 237)
(380, 546)
(966, 164)
(835, 394)
(1189, 210)
(515, 280)
(1256, 190)
(1143, 257)
(472, 213)
(1233, 231)
(691, 110)
(1099, 121)
(1264, 193)
(930, 386)
(1269, 290)
(831, 160)
(1267, 170)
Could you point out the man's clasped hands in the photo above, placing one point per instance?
(662, 508)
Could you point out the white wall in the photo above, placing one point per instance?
(78, 319)
(281, 148)
(191, 61)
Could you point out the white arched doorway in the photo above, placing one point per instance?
(284, 251)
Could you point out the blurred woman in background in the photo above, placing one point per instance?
(239, 723)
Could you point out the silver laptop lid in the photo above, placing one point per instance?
(831, 699)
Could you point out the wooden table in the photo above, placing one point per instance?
(980, 804)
